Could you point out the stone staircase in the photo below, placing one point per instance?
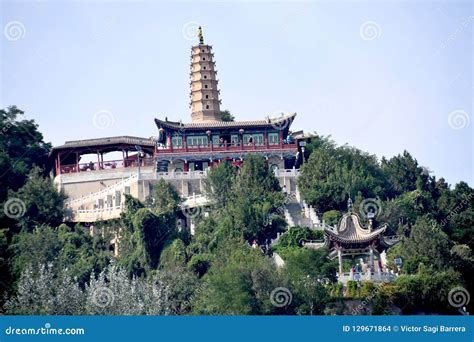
(298, 213)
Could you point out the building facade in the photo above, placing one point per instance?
(180, 152)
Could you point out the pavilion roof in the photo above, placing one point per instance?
(282, 122)
(104, 143)
(350, 230)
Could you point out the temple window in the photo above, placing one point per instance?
(205, 76)
(257, 139)
(205, 86)
(197, 141)
(207, 96)
(207, 106)
(177, 142)
(273, 138)
(234, 139)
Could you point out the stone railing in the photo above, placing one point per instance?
(93, 215)
(194, 201)
(288, 218)
(100, 194)
(287, 172)
(175, 175)
(367, 276)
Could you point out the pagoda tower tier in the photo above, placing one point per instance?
(205, 102)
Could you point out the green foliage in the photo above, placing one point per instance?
(331, 174)
(426, 291)
(147, 230)
(42, 203)
(257, 194)
(332, 217)
(200, 264)
(42, 291)
(218, 184)
(21, 147)
(150, 233)
(402, 172)
(309, 271)
(295, 237)
(352, 289)
(62, 248)
(239, 285)
(227, 116)
(165, 199)
(173, 255)
(427, 245)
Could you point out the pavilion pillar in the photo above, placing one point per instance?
(186, 166)
(98, 160)
(281, 139)
(371, 254)
(58, 165)
(77, 162)
(339, 257)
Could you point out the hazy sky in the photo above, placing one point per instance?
(381, 76)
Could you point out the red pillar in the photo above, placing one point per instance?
(58, 165)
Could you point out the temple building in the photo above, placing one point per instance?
(365, 246)
(180, 153)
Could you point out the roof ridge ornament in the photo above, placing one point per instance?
(350, 205)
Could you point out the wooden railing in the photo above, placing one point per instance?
(105, 165)
(224, 147)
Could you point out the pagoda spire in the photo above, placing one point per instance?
(201, 37)
(205, 103)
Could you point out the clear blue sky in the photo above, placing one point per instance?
(382, 95)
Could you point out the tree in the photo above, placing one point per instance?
(427, 244)
(218, 184)
(41, 291)
(164, 200)
(241, 284)
(402, 172)
(112, 292)
(60, 248)
(38, 201)
(332, 174)
(226, 116)
(21, 147)
(257, 196)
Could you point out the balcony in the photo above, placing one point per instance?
(226, 148)
(105, 165)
